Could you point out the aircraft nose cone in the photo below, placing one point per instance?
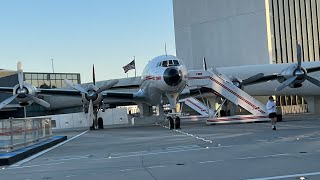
(172, 76)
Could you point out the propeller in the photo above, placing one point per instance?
(20, 74)
(93, 76)
(252, 79)
(75, 86)
(85, 91)
(7, 101)
(204, 64)
(296, 74)
(91, 94)
(107, 86)
(22, 92)
(286, 83)
(39, 101)
(90, 116)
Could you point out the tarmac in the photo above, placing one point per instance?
(197, 151)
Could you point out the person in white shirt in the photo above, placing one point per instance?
(271, 107)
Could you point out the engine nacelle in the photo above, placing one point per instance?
(90, 95)
(22, 93)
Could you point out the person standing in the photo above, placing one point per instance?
(271, 107)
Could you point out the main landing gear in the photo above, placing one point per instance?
(174, 122)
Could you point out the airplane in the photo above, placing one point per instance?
(165, 77)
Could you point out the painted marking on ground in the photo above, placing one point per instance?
(187, 134)
(266, 156)
(45, 151)
(288, 176)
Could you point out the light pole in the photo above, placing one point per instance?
(52, 65)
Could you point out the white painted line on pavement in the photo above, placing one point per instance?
(255, 157)
(288, 176)
(45, 151)
(38, 165)
(204, 162)
(152, 167)
(150, 153)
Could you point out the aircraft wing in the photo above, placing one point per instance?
(122, 97)
(194, 91)
(46, 91)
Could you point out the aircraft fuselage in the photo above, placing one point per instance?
(163, 75)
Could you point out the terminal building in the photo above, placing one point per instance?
(39, 80)
(243, 32)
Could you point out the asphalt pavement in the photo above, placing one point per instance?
(197, 151)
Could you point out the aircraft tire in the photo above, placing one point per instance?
(100, 123)
(177, 123)
(171, 123)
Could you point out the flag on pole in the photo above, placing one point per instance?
(129, 66)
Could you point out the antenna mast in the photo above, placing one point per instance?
(165, 48)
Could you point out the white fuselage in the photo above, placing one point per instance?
(163, 75)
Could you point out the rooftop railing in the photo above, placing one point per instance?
(22, 132)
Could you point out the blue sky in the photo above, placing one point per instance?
(79, 33)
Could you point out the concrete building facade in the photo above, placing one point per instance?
(243, 32)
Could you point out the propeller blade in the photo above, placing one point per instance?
(313, 80)
(251, 79)
(286, 83)
(299, 55)
(107, 86)
(75, 86)
(90, 114)
(20, 74)
(7, 101)
(93, 76)
(204, 63)
(39, 101)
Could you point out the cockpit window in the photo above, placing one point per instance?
(175, 63)
(170, 63)
(164, 63)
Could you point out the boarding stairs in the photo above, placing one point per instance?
(198, 106)
(211, 79)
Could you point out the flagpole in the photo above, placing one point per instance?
(135, 67)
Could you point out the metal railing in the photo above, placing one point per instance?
(294, 109)
(21, 132)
